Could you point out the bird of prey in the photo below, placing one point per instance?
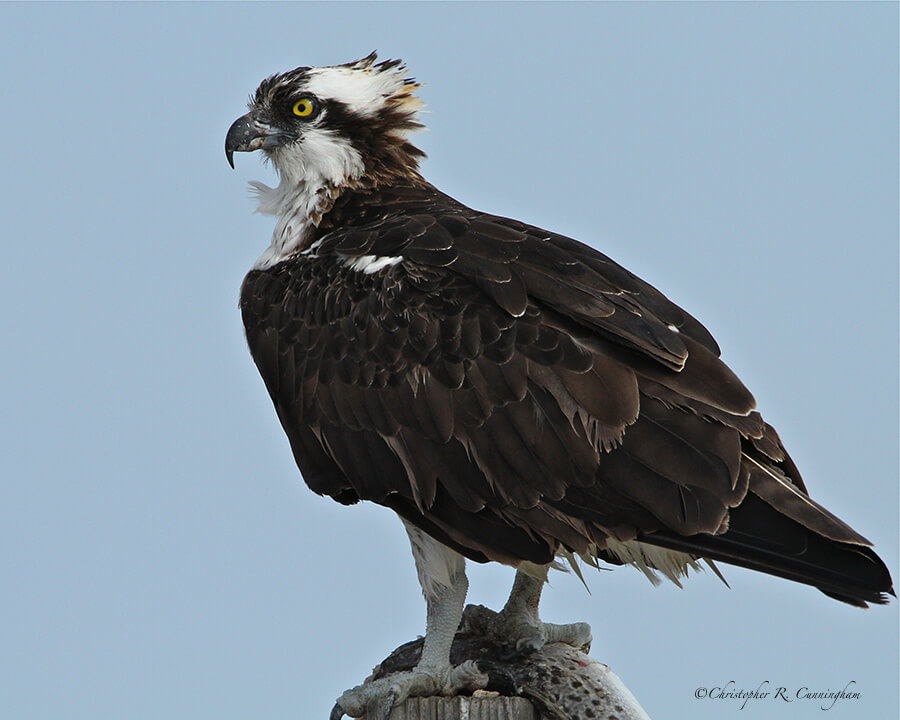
(512, 394)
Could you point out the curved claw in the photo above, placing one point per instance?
(389, 702)
(337, 712)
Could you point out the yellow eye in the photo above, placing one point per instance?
(303, 107)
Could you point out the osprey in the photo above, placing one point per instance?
(512, 394)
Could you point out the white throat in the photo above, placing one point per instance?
(311, 171)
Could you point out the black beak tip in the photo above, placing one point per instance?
(229, 154)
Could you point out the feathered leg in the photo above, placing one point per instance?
(519, 625)
(442, 574)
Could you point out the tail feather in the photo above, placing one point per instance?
(761, 538)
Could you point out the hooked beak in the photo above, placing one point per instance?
(248, 134)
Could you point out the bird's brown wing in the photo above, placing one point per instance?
(511, 391)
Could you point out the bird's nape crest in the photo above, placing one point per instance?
(403, 94)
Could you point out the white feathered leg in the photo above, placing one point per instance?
(442, 574)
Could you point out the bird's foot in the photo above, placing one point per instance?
(375, 699)
(522, 630)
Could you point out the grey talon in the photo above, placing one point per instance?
(337, 712)
(389, 705)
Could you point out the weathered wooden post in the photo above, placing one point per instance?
(466, 708)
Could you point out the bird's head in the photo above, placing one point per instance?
(333, 126)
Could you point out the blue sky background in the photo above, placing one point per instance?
(159, 556)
